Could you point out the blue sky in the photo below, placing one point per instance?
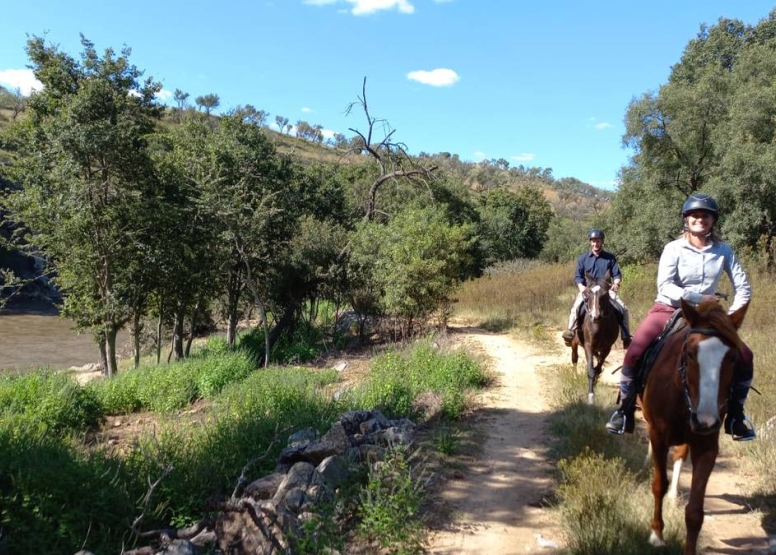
(544, 84)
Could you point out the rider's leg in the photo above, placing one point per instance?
(625, 333)
(622, 420)
(568, 335)
(736, 423)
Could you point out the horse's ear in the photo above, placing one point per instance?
(689, 312)
(738, 316)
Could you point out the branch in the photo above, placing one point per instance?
(240, 486)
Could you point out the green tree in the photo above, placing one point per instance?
(513, 224)
(281, 122)
(415, 261)
(208, 102)
(181, 98)
(82, 158)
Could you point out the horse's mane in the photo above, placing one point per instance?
(718, 319)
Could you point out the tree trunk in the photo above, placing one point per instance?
(234, 292)
(103, 355)
(159, 333)
(193, 326)
(137, 329)
(231, 330)
(110, 351)
(177, 332)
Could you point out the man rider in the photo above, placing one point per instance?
(596, 262)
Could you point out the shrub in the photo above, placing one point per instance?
(390, 505)
(605, 510)
(52, 400)
(44, 504)
(397, 379)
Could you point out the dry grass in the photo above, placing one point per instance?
(537, 296)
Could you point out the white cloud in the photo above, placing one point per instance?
(440, 77)
(603, 125)
(164, 95)
(523, 157)
(479, 154)
(306, 110)
(327, 134)
(22, 79)
(366, 7)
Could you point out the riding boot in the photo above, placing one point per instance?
(622, 420)
(568, 336)
(625, 334)
(736, 423)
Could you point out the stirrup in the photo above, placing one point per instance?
(618, 423)
(746, 433)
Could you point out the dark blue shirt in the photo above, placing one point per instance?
(596, 266)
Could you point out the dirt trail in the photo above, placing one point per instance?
(498, 507)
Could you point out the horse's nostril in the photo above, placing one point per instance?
(704, 428)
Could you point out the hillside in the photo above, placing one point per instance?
(569, 197)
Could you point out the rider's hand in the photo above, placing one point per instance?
(616, 286)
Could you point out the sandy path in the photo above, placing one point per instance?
(497, 506)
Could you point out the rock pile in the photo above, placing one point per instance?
(268, 512)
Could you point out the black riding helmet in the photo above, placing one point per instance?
(596, 234)
(700, 201)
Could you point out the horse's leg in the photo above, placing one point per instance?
(680, 455)
(591, 375)
(659, 487)
(703, 458)
(574, 352)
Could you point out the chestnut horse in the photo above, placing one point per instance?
(598, 330)
(684, 403)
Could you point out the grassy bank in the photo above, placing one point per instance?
(60, 491)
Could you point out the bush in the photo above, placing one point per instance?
(605, 510)
(397, 379)
(174, 386)
(50, 400)
(54, 496)
(390, 505)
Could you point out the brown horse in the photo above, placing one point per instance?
(684, 404)
(598, 330)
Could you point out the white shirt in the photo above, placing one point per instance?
(686, 272)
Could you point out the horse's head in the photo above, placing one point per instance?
(596, 295)
(710, 350)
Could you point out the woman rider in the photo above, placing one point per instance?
(690, 268)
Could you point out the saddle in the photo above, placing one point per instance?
(644, 364)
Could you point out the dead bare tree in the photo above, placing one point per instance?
(391, 157)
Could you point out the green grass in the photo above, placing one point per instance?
(46, 508)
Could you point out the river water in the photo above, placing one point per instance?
(32, 336)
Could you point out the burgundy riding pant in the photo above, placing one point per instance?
(650, 328)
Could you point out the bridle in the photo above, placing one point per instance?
(590, 295)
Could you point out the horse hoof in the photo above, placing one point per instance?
(655, 540)
(590, 398)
